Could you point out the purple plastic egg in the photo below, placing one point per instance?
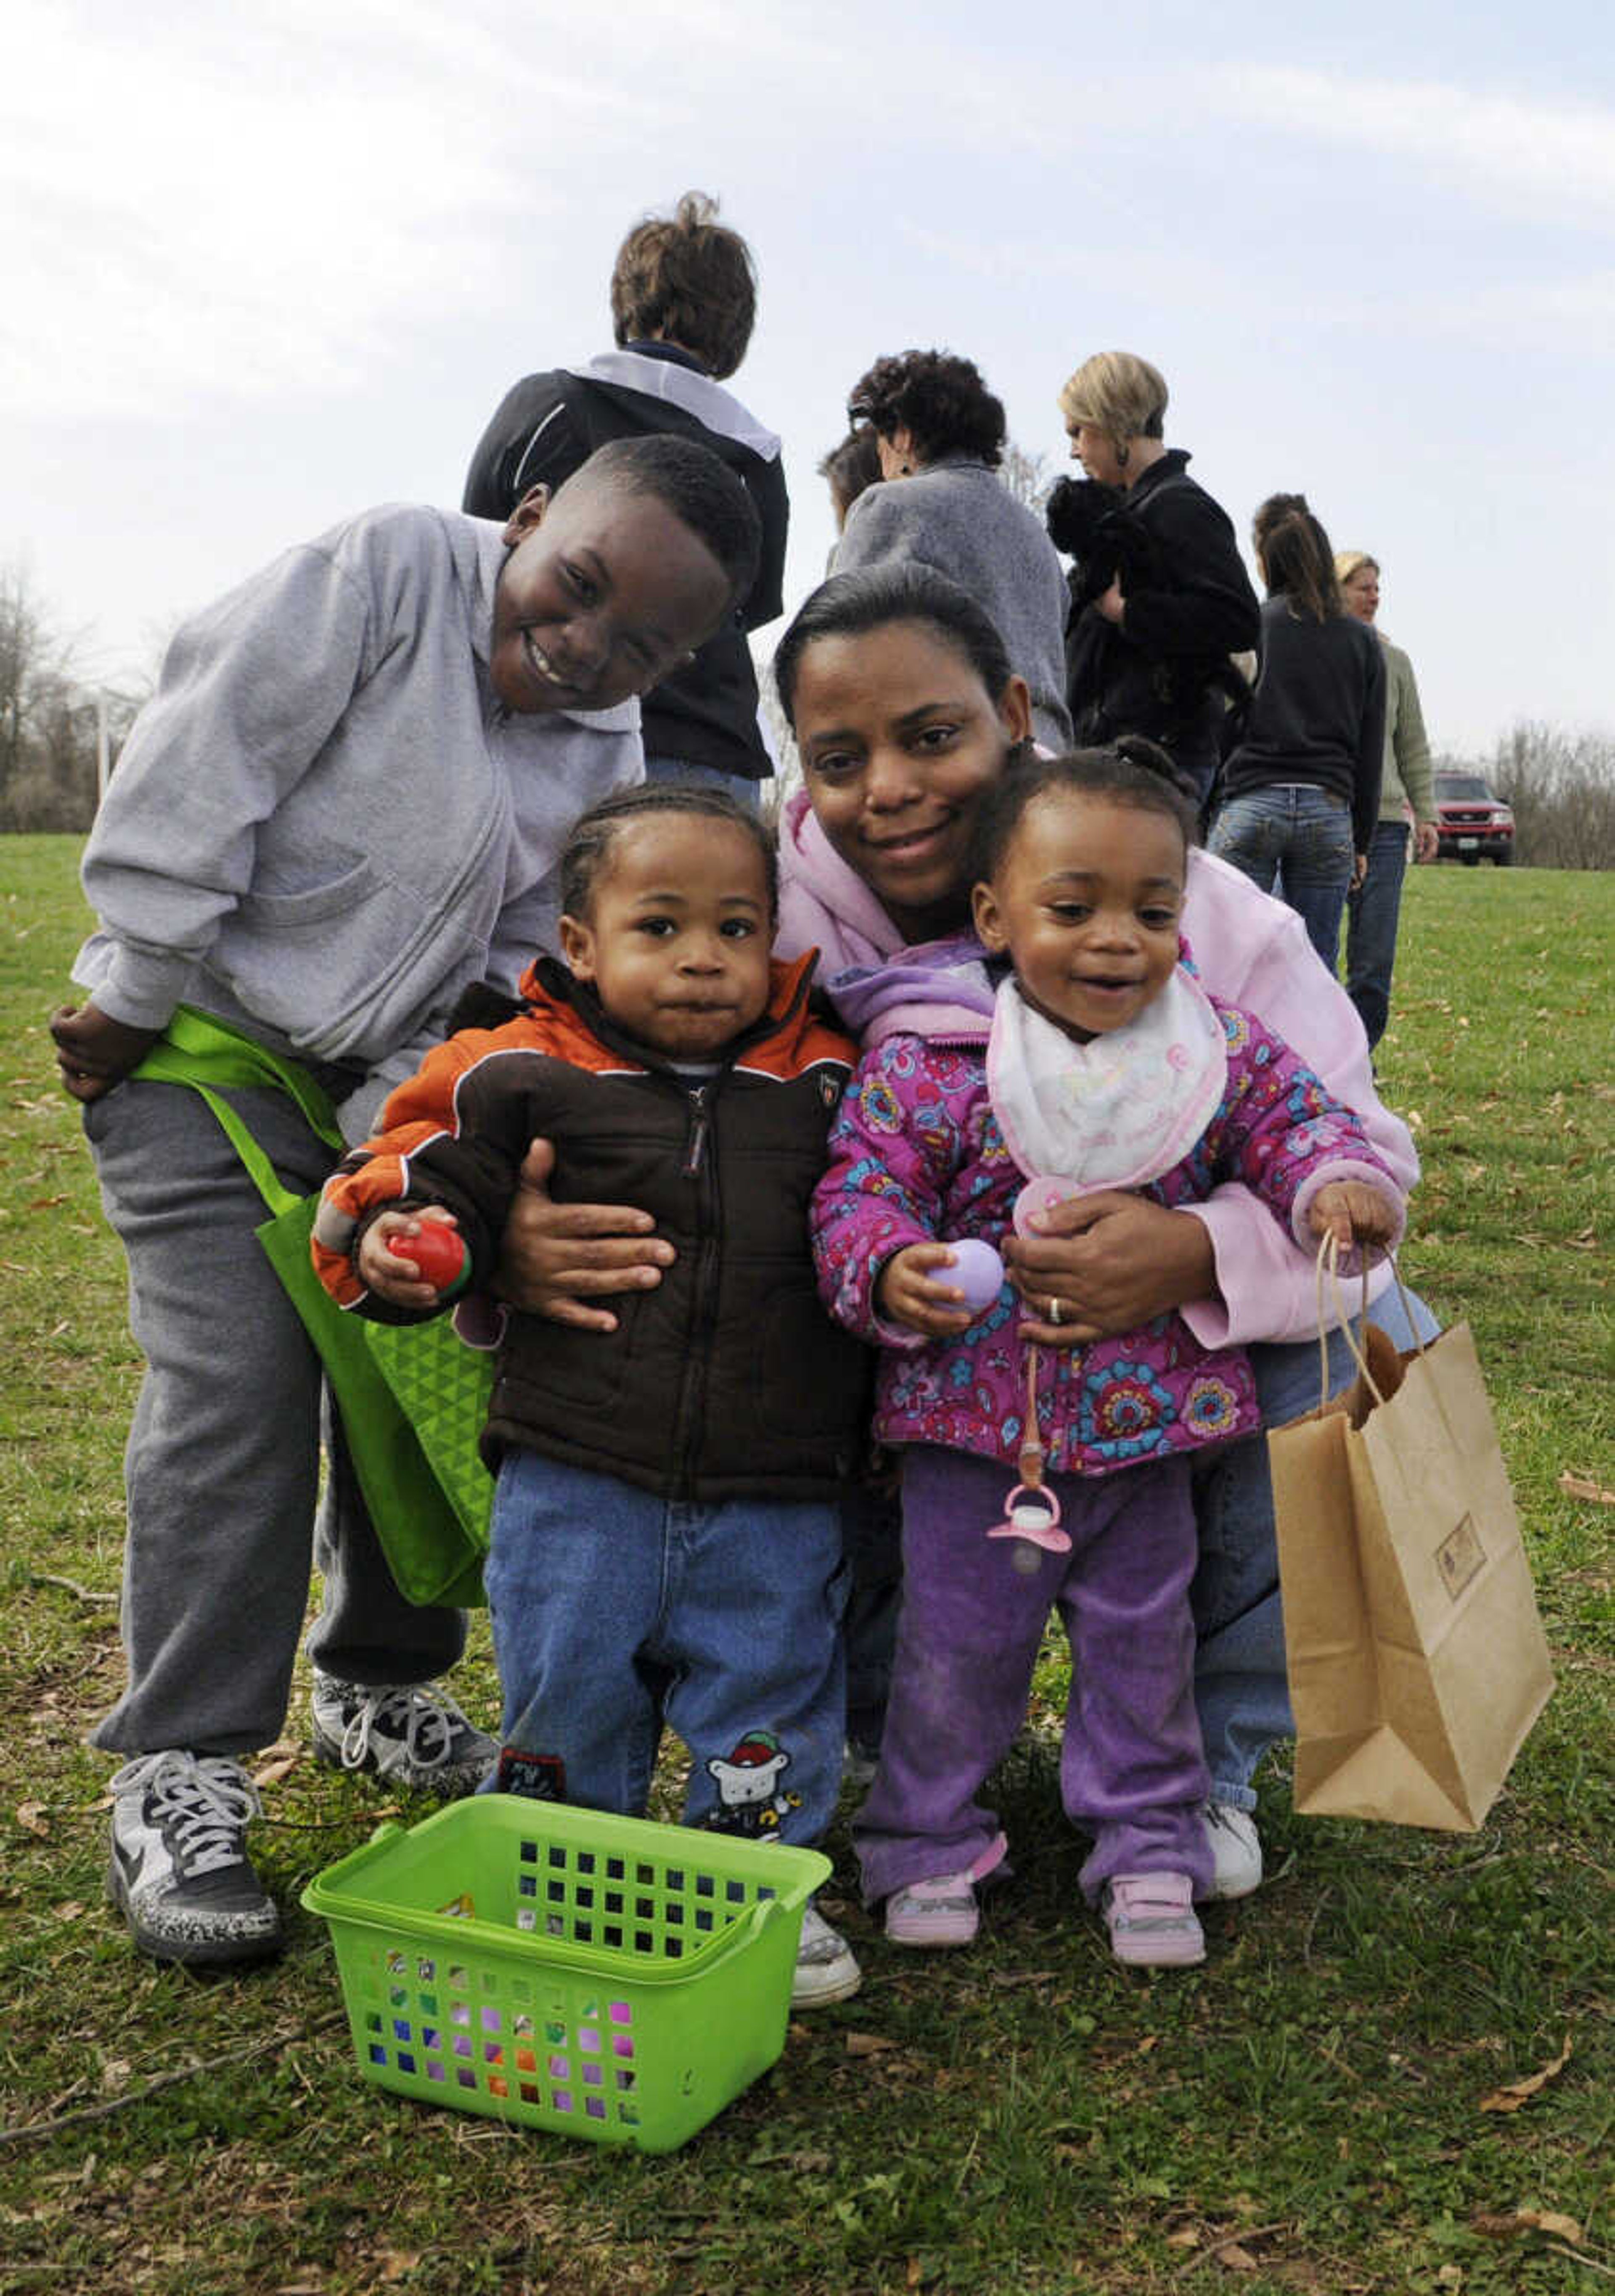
(978, 1271)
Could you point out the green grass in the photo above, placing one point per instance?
(1025, 2118)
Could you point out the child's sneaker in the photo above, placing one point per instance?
(179, 1872)
(942, 1911)
(1236, 1850)
(825, 1970)
(1153, 1920)
(412, 1733)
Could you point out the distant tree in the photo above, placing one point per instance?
(1562, 789)
(50, 719)
(1028, 477)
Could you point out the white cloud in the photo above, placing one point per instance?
(1557, 156)
(258, 205)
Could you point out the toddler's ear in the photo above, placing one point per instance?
(576, 940)
(984, 910)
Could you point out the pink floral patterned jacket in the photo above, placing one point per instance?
(917, 1156)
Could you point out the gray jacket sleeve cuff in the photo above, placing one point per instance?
(141, 986)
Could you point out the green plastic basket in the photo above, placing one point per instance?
(601, 1977)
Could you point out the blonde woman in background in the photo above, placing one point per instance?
(1149, 654)
(1407, 792)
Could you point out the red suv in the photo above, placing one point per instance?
(1471, 824)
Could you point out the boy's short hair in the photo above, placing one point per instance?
(589, 843)
(686, 279)
(697, 487)
(1119, 394)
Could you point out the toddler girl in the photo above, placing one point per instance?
(1091, 1058)
(666, 1545)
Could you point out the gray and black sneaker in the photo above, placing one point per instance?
(179, 1872)
(413, 1734)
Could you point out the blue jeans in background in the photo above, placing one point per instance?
(1372, 913)
(1241, 1688)
(747, 794)
(614, 1610)
(1297, 841)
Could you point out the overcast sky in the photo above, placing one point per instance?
(263, 266)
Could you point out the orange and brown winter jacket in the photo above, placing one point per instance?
(728, 1379)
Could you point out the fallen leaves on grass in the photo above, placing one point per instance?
(1513, 2095)
(1510, 2226)
(868, 2044)
(1583, 1487)
(32, 1816)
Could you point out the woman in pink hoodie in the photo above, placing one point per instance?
(906, 711)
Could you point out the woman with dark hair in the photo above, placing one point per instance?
(850, 470)
(1159, 599)
(1301, 789)
(940, 434)
(906, 712)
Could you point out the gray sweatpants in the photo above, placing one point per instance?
(223, 1458)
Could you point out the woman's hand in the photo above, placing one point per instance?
(908, 1293)
(1109, 1263)
(1359, 870)
(1112, 605)
(554, 1257)
(93, 1051)
(1427, 843)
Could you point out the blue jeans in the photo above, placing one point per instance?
(1241, 1688)
(747, 794)
(1372, 913)
(1296, 841)
(615, 1610)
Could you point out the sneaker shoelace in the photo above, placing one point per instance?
(426, 1722)
(203, 1803)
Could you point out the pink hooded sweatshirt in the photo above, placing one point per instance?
(1251, 951)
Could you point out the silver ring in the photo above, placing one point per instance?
(1053, 1309)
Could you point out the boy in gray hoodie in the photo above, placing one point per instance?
(342, 807)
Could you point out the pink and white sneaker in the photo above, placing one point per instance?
(942, 1911)
(1153, 1920)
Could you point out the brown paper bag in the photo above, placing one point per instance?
(1417, 1662)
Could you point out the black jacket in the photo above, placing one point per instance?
(548, 425)
(1318, 714)
(728, 1379)
(1161, 674)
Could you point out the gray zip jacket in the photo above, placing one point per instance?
(324, 823)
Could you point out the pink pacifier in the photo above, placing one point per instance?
(1033, 1514)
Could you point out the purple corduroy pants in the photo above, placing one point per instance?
(1132, 1771)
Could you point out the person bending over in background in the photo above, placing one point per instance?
(939, 433)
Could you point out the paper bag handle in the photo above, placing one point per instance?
(1329, 1257)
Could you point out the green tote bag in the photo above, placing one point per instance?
(412, 1398)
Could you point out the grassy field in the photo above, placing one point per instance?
(1316, 2108)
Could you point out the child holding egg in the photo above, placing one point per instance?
(1083, 1054)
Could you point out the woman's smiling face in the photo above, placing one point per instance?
(899, 741)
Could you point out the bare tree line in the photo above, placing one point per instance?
(1561, 785)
